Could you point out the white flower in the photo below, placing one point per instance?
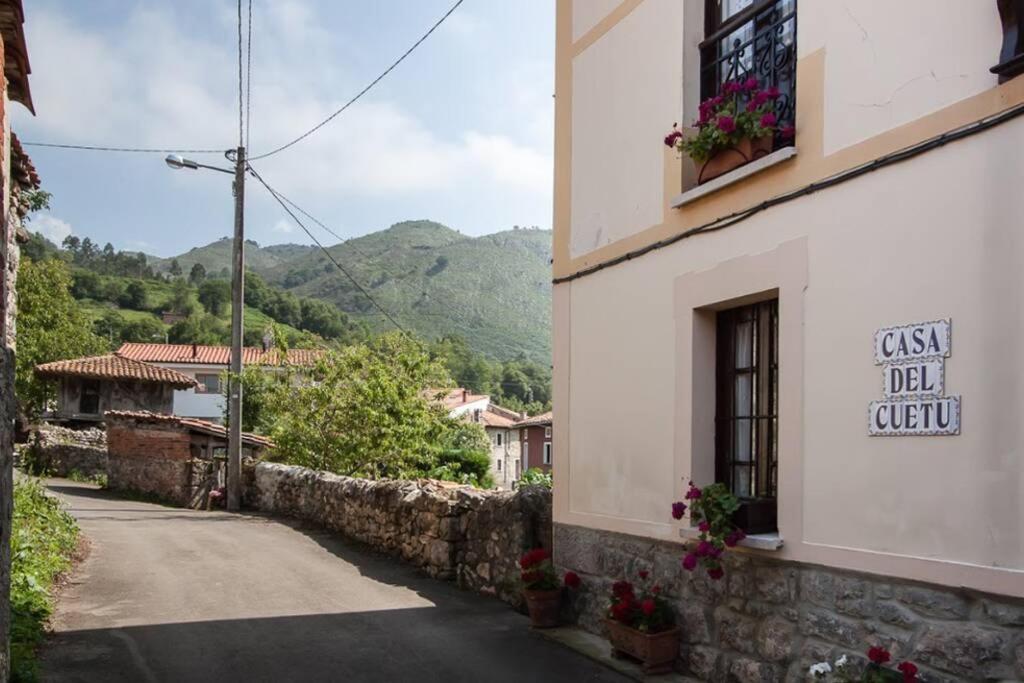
(841, 662)
(820, 669)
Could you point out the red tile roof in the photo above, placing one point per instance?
(453, 398)
(492, 419)
(114, 367)
(199, 354)
(190, 423)
(542, 420)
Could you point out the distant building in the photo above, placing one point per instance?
(88, 387)
(501, 428)
(206, 364)
(536, 439)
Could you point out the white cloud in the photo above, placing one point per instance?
(283, 226)
(51, 227)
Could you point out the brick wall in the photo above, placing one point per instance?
(151, 460)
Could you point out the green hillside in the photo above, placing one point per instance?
(495, 290)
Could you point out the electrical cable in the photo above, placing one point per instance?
(364, 90)
(298, 222)
(138, 150)
(835, 179)
(248, 81)
(241, 108)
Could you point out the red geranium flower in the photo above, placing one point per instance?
(694, 492)
(643, 573)
(879, 655)
(622, 589)
(620, 610)
(670, 139)
(647, 607)
(726, 124)
(716, 573)
(678, 510)
(533, 558)
(704, 549)
(572, 580)
(704, 526)
(909, 671)
(750, 83)
(690, 562)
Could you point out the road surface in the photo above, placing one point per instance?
(177, 595)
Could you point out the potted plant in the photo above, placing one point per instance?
(541, 588)
(713, 509)
(733, 129)
(844, 671)
(641, 625)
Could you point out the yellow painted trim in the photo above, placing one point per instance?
(810, 165)
(602, 27)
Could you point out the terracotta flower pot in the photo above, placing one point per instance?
(725, 160)
(544, 607)
(656, 651)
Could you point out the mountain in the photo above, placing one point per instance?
(494, 290)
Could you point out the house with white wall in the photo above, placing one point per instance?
(829, 330)
(500, 425)
(207, 364)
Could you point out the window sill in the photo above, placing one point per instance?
(767, 161)
(770, 542)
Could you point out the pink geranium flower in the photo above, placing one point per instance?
(690, 562)
(726, 124)
(768, 120)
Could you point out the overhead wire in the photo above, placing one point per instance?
(136, 150)
(241, 88)
(311, 236)
(365, 90)
(248, 81)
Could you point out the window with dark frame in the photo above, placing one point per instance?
(1011, 53)
(89, 401)
(746, 411)
(744, 38)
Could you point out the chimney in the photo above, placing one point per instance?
(195, 350)
(465, 394)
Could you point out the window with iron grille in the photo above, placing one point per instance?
(745, 38)
(746, 413)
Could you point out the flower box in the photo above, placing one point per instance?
(725, 160)
(656, 651)
(544, 606)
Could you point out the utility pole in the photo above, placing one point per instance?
(234, 501)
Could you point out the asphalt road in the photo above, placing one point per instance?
(176, 595)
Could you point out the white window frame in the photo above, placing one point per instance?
(547, 432)
(498, 441)
(547, 452)
(526, 455)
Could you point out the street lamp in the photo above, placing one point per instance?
(178, 162)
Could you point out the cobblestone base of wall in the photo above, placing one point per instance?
(451, 532)
(770, 620)
(165, 480)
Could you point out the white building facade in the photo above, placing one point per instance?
(829, 330)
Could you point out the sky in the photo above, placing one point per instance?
(461, 132)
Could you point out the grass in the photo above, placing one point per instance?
(43, 540)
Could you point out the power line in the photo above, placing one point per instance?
(298, 222)
(138, 150)
(364, 90)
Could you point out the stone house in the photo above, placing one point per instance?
(803, 329)
(536, 441)
(89, 387)
(206, 364)
(17, 175)
(498, 422)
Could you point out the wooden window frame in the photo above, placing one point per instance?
(758, 508)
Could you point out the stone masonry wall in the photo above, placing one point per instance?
(61, 451)
(450, 532)
(770, 620)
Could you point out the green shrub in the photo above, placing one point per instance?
(535, 477)
(43, 539)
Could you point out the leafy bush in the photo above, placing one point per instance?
(43, 538)
(535, 477)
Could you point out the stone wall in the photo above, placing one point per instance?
(449, 531)
(60, 451)
(770, 620)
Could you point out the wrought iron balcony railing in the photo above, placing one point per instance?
(758, 41)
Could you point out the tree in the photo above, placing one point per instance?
(199, 329)
(135, 296)
(181, 298)
(51, 327)
(215, 295)
(175, 268)
(197, 274)
(366, 415)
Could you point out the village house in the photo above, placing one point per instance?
(89, 387)
(501, 427)
(536, 439)
(830, 330)
(206, 364)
